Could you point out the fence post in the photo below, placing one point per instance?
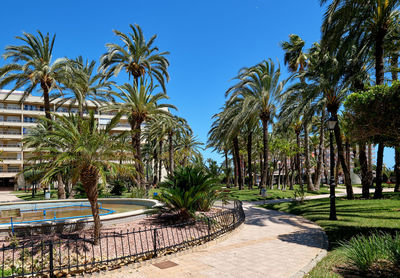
(51, 259)
(209, 228)
(155, 242)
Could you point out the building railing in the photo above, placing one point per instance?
(59, 257)
(11, 120)
(10, 132)
(10, 145)
(11, 108)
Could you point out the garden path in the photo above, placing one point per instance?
(269, 244)
(8, 196)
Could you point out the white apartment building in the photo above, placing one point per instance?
(17, 119)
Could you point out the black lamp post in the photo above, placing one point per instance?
(332, 121)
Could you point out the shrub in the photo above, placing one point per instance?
(394, 250)
(138, 192)
(118, 186)
(364, 251)
(187, 190)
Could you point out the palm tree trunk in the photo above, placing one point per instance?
(160, 160)
(346, 171)
(298, 162)
(397, 168)
(379, 165)
(226, 168)
(366, 176)
(264, 121)
(171, 153)
(286, 173)
(318, 172)
(89, 177)
(249, 162)
(292, 175)
(379, 78)
(136, 144)
(235, 169)
(310, 185)
(155, 167)
(395, 63)
(261, 170)
(46, 98)
(237, 158)
(61, 187)
(370, 158)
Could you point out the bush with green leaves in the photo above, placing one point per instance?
(187, 190)
(138, 192)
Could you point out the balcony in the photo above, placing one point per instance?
(10, 147)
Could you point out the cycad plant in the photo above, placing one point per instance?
(187, 190)
(87, 150)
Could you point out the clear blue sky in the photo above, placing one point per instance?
(209, 41)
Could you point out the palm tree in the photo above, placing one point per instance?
(188, 147)
(296, 59)
(86, 151)
(137, 56)
(85, 86)
(372, 19)
(139, 105)
(258, 89)
(31, 65)
(169, 126)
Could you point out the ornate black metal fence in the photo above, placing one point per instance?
(65, 256)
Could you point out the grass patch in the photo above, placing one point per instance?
(355, 217)
(27, 196)
(254, 194)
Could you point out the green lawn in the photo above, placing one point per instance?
(27, 196)
(354, 217)
(384, 185)
(254, 194)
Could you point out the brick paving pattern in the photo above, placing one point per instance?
(270, 244)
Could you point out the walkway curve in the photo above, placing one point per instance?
(269, 244)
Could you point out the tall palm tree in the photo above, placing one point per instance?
(169, 126)
(31, 65)
(85, 86)
(296, 59)
(86, 151)
(139, 58)
(139, 105)
(258, 89)
(374, 20)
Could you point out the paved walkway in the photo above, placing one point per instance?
(7, 196)
(269, 244)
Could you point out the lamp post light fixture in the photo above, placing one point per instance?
(332, 121)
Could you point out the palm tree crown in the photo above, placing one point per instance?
(137, 56)
(32, 65)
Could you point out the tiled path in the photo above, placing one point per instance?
(270, 244)
(7, 196)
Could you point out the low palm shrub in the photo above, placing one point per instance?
(187, 190)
